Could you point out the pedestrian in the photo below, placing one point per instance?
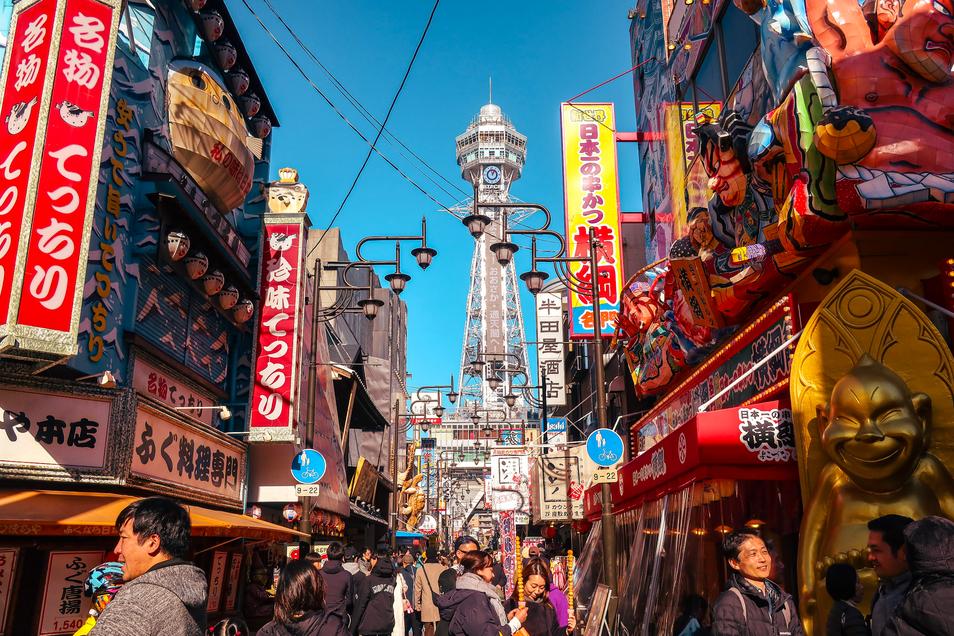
(364, 563)
(692, 620)
(350, 560)
(398, 606)
(462, 545)
(426, 584)
(300, 605)
(407, 574)
(752, 604)
(258, 607)
(500, 577)
(338, 582)
(541, 615)
(473, 607)
(233, 626)
(887, 556)
(316, 560)
(161, 593)
(374, 606)
(102, 583)
(845, 588)
(558, 586)
(928, 605)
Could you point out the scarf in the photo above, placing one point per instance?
(471, 581)
(772, 593)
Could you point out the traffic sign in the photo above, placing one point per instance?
(307, 490)
(605, 476)
(308, 466)
(604, 447)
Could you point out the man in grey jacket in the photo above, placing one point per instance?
(162, 594)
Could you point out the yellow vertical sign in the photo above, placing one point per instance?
(591, 199)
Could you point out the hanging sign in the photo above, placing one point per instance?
(604, 447)
(551, 353)
(308, 466)
(65, 608)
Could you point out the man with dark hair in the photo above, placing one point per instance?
(350, 561)
(888, 558)
(462, 545)
(163, 594)
(752, 605)
(338, 582)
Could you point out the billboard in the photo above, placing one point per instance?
(591, 193)
(551, 353)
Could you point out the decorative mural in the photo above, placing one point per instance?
(844, 120)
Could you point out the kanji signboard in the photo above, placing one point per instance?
(550, 350)
(174, 454)
(591, 192)
(64, 606)
(276, 362)
(510, 482)
(149, 379)
(58, 70)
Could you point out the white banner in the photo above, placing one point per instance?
(551, 353)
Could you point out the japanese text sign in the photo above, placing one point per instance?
(172, 453)
(550, 349)
(216, 580)
(58, 71)
(233, 581)
(276, 364)
(46, 429)
(510, 482)
(591, 192)
(8, 565)
(149, 380)
(558, 487)
(64, 606)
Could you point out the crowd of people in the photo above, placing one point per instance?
(151, 589)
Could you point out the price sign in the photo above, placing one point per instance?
(605, 476)
(306, 490)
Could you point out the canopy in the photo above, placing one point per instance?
(401, 534)
(65, 513)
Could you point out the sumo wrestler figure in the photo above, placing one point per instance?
(875, 432)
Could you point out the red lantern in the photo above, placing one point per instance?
(549, 532)
(582, 526)
(417, 542)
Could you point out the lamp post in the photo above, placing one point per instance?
(534, 279)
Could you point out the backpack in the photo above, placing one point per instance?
(786, 609)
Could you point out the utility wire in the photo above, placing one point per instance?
(364, 111)
(338, 112)
(384, 123)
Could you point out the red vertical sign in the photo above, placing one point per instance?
(28, 54)
(276, 364)
(56, 248)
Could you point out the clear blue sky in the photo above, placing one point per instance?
(538, 53)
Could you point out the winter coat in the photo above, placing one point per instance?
(426, 590)
(397, 605)
(310, 624)
(927, 606)
(338, 588)
(742, 610)
(846, 620)
(446, 583)
(168, 600)
(374, 606)
(469, 613)
(561, 604)
(541, 618)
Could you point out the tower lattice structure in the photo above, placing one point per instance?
(491, 154)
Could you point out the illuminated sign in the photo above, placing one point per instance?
(591, 191)
(58, 70)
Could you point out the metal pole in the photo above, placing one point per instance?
(608, 525)
(394, 473)
(312, 392)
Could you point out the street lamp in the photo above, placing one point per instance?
(493, 382)
(510, 399)
(477, 365)
(370, 307)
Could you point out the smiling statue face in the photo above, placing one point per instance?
(875, 426)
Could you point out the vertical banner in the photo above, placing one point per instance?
(508, 537)
(216, 580)
(550, 350)
(276, 363)
(65, 607)
(58, 72)
(8, 569)
(591, 193)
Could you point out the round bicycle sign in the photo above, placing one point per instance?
(308, 466)
(604, 447)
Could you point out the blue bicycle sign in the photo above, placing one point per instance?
(604, 447)
(308, 466)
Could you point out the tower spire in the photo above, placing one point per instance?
(490, 79)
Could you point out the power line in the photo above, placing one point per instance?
(365, 112)
(338, 112)
(377, 137)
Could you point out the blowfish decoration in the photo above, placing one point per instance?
(73, 114)
(19, 116)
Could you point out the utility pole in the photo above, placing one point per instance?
(395, 494)
(608, 524)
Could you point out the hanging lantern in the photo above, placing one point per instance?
(549, 532)
(243, 311)
(582, 526)
(291, 512)
(177, 245)
(196, 5)
(212, 24)
(260, 126)
(237, 80)
(213, 282)
(255, 512)
(228, 297)
(225, 53)
(250, 104)
(196, 265)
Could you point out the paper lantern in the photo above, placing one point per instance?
(225, 53)
(196, 265)
(250, 104)
(228, 297)
(260, 126)
(213, 282)
(212, 25)
(177, 245)
(549, 532)
(196, 5)
(237, 80)
(243, 311)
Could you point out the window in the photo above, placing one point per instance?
(136, 28)
(708, 79)
(742, 37)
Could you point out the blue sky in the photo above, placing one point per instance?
(538, 53)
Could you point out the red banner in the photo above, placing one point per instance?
(276, 364)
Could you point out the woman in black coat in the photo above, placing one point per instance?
(541, 615)
(299, 605)
(844, 587)
(473, 608)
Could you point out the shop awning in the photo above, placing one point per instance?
(358, 512)
(65, 513)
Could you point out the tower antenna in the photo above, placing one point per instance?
(491, 81)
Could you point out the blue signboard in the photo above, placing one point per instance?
(308, 466)
(605, 447)
(556, 425)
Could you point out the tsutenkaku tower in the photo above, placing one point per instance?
(491, 154)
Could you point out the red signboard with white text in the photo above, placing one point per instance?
(276, 362)
(58, 71)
